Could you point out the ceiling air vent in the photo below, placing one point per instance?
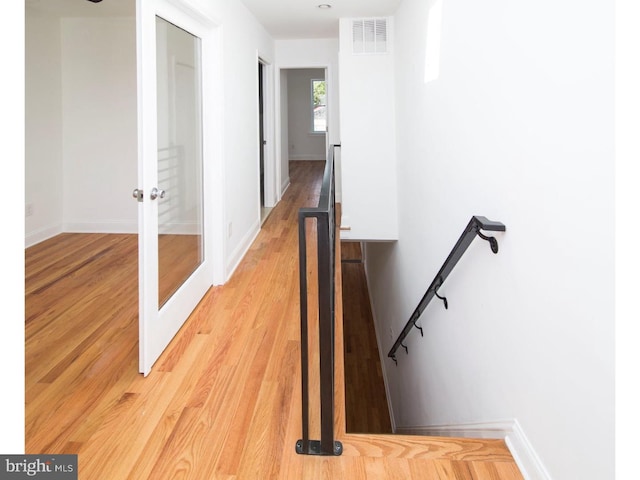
(370, 35)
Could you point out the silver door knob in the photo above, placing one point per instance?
(137, 194)
(155, 193)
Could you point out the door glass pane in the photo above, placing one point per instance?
(180, 210)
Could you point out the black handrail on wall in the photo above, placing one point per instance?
(472, 229)
(324, 213)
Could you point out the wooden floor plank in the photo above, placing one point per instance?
(363, 372)
(224, 399)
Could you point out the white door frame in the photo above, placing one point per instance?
(157, 327)
(328, 77)
(270, 171)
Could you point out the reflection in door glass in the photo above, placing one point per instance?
(180, 207)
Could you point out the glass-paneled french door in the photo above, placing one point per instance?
(175, 253)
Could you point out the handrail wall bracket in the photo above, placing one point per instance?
(473, 228)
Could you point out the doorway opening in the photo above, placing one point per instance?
(81, 247)
(303, 114)
(266, 204)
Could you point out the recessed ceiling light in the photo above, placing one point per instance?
(324, 5)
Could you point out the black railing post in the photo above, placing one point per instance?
(304, 330)
(325, 218)
(326, 325)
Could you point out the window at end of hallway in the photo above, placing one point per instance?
(318, 106)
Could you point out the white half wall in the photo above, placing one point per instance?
(518, 127)
(368, 153)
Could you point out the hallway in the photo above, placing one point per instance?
(223, 401)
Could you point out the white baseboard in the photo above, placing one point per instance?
(129, 228)
(363, 245)
(101, 227)
(508, 430)
(498, 429)
(239, 252)
(181, 229)
(285, 186)
(525, 456)
(305, 156)
(41, 235)
(80, 227)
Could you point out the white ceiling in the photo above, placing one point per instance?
(83, 8)
(281, 18)
(303, 18)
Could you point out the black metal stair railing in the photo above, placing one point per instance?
(472, 229)
(324, 214)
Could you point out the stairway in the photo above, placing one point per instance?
(367, 410)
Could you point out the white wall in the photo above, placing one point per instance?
(367, 113)
(80, 162)
(303, 144)
(83, 90)
(313, 53)
(99, 124)
(244, 40)
(284, 132)
(519, 128)
(43, 127)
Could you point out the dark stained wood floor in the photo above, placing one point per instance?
(367, 410)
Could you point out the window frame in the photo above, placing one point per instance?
(313, 129)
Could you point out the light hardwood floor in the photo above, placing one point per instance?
(223, 401)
